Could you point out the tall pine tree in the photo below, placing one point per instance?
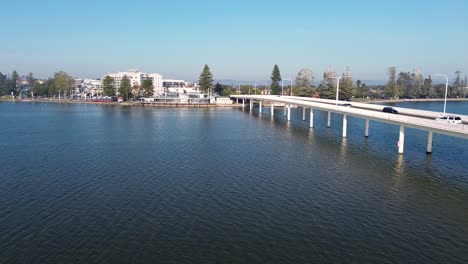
(108, 86)
(206, 79)
(275, 79)
(125, 87)
(147, 87)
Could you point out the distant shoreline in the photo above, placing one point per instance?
(186, 105)
(142, 104)
(374, 101)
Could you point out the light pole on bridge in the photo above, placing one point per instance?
(446, 88)
(338, 86)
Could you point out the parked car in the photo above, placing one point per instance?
(389, 109)
(449, 119)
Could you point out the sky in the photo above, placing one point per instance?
(239, 40)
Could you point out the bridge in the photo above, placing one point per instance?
(406, 117)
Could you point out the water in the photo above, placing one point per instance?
(109, 184)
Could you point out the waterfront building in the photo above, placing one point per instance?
(136, 78)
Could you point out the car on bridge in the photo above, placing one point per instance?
(346, 105)
(449, 119)
(389, 109)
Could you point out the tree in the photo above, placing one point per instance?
(62, 82)
(124, 89)
(108, 86)
(304, 82)
(417, 82)
(206, 79)
(218, 88)
(31, 81)
(391, 90)
(346, 85)
(147, 87)
(454, 90)
(3, 83)
(428, 90)
(327, 89)
(404, 84)
(275, 79)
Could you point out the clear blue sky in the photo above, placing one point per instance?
(239, 40)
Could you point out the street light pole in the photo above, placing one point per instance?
(446, 88)
(338, 86)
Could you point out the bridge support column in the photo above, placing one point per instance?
(401, 141)
(289, 112)
(272, 108)
(284, 109)
(311, 121)
(260, 106)
(303, 113)
(329, 119)
(345, 125)
(366, 133)
(243, 103)
(429, 142)
(251, 104)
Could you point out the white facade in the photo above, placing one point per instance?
(157, 83)
(136, 78)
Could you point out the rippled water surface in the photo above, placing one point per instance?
(109, 184)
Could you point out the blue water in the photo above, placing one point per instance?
(111, 184)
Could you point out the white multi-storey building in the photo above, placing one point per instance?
(136, 78)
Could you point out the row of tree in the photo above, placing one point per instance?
(414, 85)
(62, 83)
(402, 85)
(125, 89)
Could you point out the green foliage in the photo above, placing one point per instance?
(304, 83)
(62, 83)
(125, 88)
(391, 90)
(108, 86)
(3, 83)
(275, 79)
(147, 87)
(31, 80)
(327, 89)
(206, 79)
(218, 88)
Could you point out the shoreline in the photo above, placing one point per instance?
(123, 104)
(411, 100)
(233, 105)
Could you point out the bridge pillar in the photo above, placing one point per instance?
(272, 110)
(284, 109)
(289, 112)
(366, 133)
(303, 113)
(260, 106)
(311, 121)
(251, 104)
(401, 141)
(243, 103)
(345, 124)
(329, 119)
(429, 142)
